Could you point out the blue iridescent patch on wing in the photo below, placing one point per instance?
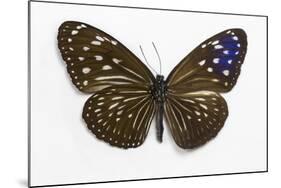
(226, 52)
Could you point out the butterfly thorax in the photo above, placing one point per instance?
(158, 91)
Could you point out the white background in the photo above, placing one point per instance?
(64, 151)
(14, 104)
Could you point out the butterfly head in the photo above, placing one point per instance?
(159, 78)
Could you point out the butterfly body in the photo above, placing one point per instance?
(158, 91)
(126, 95)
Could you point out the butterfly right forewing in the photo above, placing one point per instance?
(95, 60)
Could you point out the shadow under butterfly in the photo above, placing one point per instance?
(126, 95)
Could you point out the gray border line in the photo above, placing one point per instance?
(129, 7)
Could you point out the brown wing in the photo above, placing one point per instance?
(95, 60)
(193, 108)
(214, 65)
(121, 110)
(195, 117)
(120, 116)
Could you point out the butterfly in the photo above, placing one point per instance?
(126, 95)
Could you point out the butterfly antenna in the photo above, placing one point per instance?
(147, 61)
(158, 57)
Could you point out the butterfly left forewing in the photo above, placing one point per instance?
(213, 65)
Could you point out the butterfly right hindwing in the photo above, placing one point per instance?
(121, 116)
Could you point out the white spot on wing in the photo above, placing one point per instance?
(225, 72)
(215, 42)
(218, 46)
(204, 106)
(106, 39)
(97, 110)
(81, 58)
(106, 67)
(210, 69)
(95, 42)
(85, 82)
(98, 57)
(86, 70)
(216, 60)
(235, 38)
(116, 98)
(74, 32)
(99, 38)
(226, 52)
(115, 60)
(113, 105)
(114, 42)
(215, 80)
(85, 48)
(201, 63)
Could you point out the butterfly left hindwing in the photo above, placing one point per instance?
(195, 117)
(213, 65)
